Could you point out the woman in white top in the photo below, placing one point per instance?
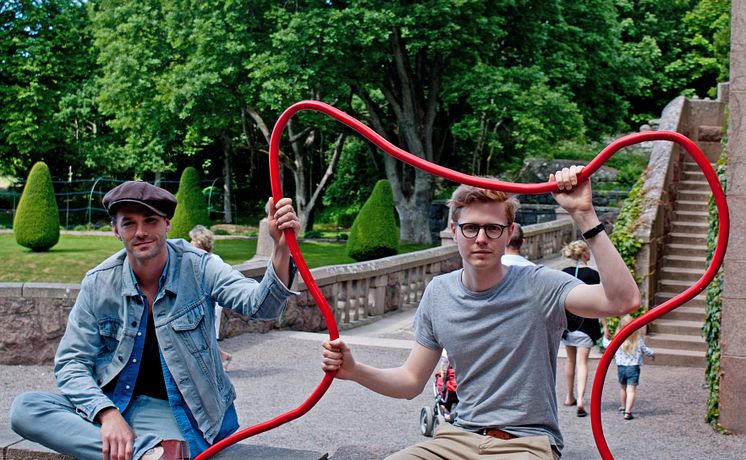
(203, 238)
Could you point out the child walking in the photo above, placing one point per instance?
(628, 362)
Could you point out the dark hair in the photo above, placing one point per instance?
(516, 241)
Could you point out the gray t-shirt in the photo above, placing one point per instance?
(503, 344)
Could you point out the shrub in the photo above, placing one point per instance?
(37, 222)
(191, 208)
(312, 234)
(374, 233)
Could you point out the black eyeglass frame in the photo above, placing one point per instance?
(502, 228)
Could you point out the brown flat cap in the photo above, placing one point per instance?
(160, 201)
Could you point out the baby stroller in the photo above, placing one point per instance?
(446, 399)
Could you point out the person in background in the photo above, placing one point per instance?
(138, 370)
(628, 363)
(582, 333)
(203, 238)
(501, 326)
(512, 254)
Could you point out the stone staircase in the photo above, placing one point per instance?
(676, 337)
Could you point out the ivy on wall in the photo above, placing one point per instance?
(623, 236)
(713, 308)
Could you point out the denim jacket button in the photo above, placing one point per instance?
(134, 323)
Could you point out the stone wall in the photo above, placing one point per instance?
(733, 321)
(33, 318)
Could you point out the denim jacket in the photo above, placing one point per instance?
(105, 319)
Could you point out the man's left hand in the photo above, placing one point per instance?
(281, 216)
(573, 197)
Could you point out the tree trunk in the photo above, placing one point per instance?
(227, 209)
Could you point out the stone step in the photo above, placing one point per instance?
(675, 342)
(686, 205)
(693, 195)
(697, 302)
(686, 250)
(690, 216)
(693, 174)
(687, 312)
(692, 239)
(671, 285)
(678, 358)
(674, 326)
(690, 165)
(694, 185)
(682, 274)
(672, 259)
(682, 226)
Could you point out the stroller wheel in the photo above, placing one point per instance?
(437, 420)
(426, 421)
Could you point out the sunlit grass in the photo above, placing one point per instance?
(74, 255)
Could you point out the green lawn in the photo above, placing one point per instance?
(68, 261)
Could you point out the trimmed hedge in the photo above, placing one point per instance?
(191, 207)
(374, 233)
(37, 222)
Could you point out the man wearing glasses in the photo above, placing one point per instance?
(501, 326)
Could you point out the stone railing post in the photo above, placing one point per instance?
(379, 294)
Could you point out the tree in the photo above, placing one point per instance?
(36, 224)
(419, 56)
(44, 57)
(374, 234)
(191, 207)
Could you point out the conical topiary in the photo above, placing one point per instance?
(374, 233)
(36, 224)
(191, 207)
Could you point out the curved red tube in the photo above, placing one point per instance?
(593, 166)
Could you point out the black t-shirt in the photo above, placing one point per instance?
(590, 326)
(150, 378)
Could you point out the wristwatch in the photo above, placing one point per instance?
(588, 234)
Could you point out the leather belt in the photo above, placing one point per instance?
(495, 433)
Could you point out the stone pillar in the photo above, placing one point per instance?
(264, 244)
(378, 286)
(733, 322)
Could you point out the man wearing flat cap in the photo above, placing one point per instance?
(138, 366)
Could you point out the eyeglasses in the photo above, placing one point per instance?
(493, 231)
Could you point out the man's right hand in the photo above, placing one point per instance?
(116, 434)
(337, 357)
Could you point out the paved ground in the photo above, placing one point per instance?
(275, 372)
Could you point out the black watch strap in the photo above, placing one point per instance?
(588, 234)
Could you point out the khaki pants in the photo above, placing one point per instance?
(451, 443)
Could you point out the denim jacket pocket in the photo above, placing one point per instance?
(189, 327)
(109, 330)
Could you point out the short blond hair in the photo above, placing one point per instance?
(466, 195)
(576, 250)
(202, 236)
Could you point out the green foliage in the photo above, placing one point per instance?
(353, 182)
(623, 237)
(713, 307)
(191, 208)
(37, 222)
(312, 234)
(374, 233)
(46, 56)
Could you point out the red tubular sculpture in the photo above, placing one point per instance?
(593, 166)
